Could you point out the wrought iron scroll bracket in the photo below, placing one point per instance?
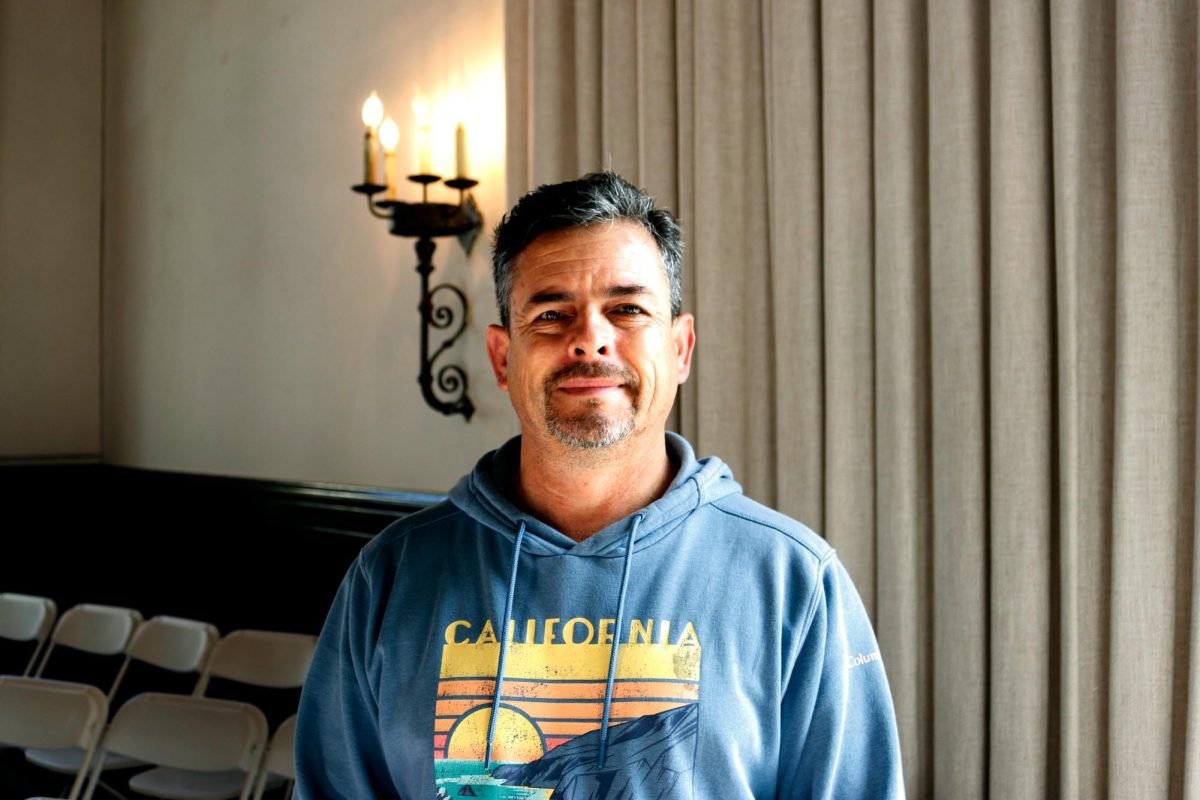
(443, 387)
(450, 380)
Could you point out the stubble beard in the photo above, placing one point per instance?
(595, 426)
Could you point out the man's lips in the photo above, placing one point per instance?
(588, 386)
(591, 380)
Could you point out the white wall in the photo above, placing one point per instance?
(50, 107)
(257, 321)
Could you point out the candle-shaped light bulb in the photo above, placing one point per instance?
(372, 111)
(389, 137)
(460, 150)
(457, 108)
(420, 109)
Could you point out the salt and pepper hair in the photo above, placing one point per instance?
(592, 199)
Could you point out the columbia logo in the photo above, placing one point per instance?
(861, 658)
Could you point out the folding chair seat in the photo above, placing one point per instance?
(280, 760)
(35, 712)
(26, 618)
(221, 741)
(167, 643)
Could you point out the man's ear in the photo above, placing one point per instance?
(683, 331)
(497, 348)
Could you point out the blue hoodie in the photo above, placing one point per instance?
(705, 647)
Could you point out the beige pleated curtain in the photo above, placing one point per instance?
(943, 261)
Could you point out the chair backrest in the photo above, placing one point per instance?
(280, 758)
(35, 712)
(196, 733)
(174, 643)
(103, 630)
(260, 658)
(26, 618)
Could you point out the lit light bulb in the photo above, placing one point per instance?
(389, 135)
(420, 109)
(372, 111)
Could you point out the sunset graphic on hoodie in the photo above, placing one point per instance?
(553, 696)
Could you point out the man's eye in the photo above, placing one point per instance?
(630, 309)
(551, 316)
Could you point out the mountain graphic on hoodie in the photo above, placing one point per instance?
(650, 757)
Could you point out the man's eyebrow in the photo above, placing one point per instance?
(625, 291)
(548, 297)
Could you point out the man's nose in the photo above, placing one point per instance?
(591, 336)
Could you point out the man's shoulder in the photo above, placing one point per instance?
(785, 531)
(428, 521)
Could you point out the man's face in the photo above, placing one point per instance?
(592, 354)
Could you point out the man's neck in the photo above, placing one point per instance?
(581, 492)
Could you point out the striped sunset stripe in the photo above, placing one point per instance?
(573, 661)
(560, 687)
(559, 709)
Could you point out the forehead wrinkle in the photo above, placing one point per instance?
(579, 245)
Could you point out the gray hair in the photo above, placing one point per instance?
(597, 197)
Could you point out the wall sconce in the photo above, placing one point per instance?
(425, 221)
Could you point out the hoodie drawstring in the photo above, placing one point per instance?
(508, 603)
(616, 645)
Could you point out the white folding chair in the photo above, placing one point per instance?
(280, 761)
(94, 628)
(270, 659)
(216, 745)
(26, 618)
(35, 712)
(171, 643)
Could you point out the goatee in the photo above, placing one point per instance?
(596, 425)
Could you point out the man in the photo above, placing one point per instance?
(594, 613)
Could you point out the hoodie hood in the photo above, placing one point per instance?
(481, 496)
